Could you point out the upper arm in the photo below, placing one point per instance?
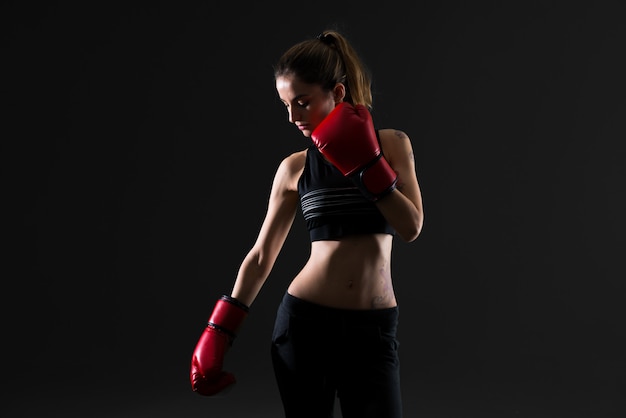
(398, 151)
(281, 211)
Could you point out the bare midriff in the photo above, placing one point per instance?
(351, 273)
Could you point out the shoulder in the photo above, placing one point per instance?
(290, 170)
(395, 143)
(294, 163)
(393, 135)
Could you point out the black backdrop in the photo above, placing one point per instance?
(139, 142)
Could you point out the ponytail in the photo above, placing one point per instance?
(327, 60)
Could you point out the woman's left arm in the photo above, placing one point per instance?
(403, 206)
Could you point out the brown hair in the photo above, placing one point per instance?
(327, 60)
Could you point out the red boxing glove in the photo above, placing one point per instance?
(347, 138)
(206, 375)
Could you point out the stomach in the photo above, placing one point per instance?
(351, 273)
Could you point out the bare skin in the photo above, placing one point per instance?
(353, 272)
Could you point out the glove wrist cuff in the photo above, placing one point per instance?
(235, 302)
(228, 315)
(376, 180)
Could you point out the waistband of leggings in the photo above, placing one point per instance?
(298, 306)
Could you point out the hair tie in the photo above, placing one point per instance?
(325, 38)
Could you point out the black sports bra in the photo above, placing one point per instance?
(332, 205)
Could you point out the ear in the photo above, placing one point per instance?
(339, 92)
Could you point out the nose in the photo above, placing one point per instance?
(294, 115)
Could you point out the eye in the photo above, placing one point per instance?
(303, 104)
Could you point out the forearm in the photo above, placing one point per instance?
(250, 279)
(402, 215)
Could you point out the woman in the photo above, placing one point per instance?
(335, 330)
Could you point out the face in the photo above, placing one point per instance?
(307, 104)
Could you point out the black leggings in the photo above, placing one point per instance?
(319, 353)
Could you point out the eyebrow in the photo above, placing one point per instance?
(298, 97)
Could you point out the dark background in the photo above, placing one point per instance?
(138, 147)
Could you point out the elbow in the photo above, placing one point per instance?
(409, 235)
(412, 230)
(257, 265)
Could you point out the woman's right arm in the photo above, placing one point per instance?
(206, 373)
(281, 212)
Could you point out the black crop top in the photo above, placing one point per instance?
(332, 205)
